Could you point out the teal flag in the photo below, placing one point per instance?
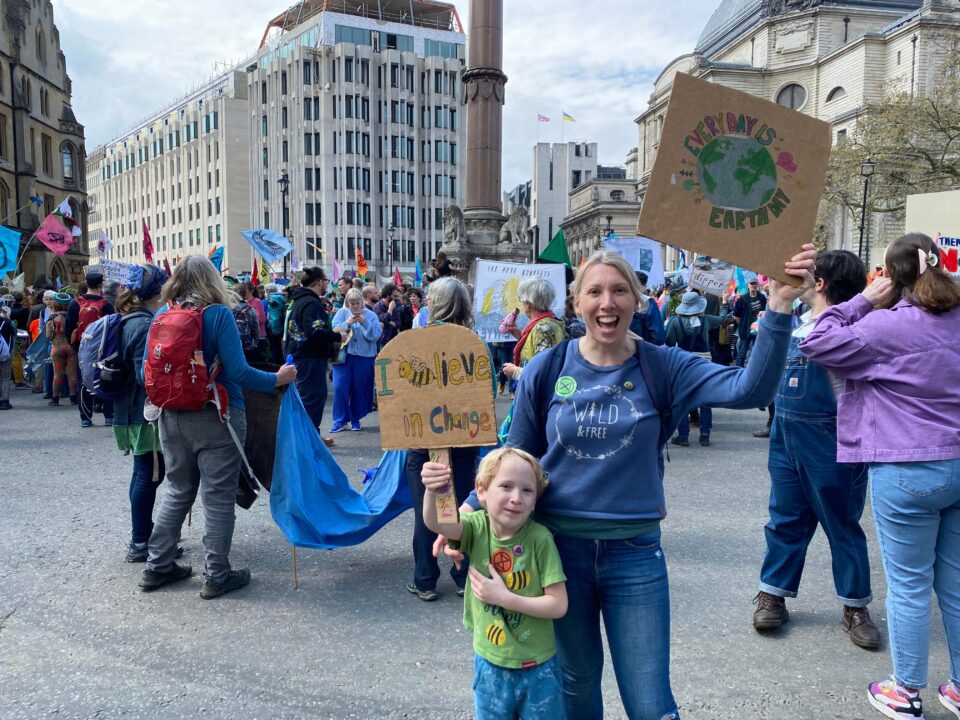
(9, 249)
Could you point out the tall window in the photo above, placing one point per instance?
(41, 45)
(66, 157)
(4, 200)
(46, 154)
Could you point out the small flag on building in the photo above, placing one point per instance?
(542, 118)
(147, 243)
(568, 118)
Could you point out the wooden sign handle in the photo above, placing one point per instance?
(447, 498)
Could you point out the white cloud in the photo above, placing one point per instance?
(595, 60)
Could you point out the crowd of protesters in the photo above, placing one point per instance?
(819, 357)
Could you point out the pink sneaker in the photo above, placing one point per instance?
(894, 701)
(950, 698)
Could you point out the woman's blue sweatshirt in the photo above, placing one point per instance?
(365, 334)
(602, 460)
(222, 339)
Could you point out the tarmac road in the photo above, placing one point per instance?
(79, 640)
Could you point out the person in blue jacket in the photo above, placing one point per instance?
(199, 452)
(353, 378)
(601, 450)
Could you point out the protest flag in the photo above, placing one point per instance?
(55, 235)
(265, 270)
(147, 243)
(418, 276)
(65, 213)
(397, 280)
(216, 257)
(166, 266)
(255, 274)
(267, 243)
(9, 249)
(361, 265)
(556, 251)
(337, 271)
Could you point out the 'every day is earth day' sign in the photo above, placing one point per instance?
(736, 177)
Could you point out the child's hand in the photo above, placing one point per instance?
(489, 590)
(440, 545)
(435, 476)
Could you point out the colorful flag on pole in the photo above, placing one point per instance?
(36, 200)
(294, 259)
(337, 270)
(65, 212)
(254, 274)
(556, 251)
(216, 257)
(542, 118)
(17, 284)
(265, 271)
(418, 276)
(166, 266)
(361, 265)
(9, 249)
(104, 245)
(54, 235)
(147, 243)
(568, 118)
(397, 280)
(268, 244)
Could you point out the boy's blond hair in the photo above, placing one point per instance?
(490, 465)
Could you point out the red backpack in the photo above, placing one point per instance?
(90, 312)
(175, 374)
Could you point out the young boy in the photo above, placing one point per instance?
(515, 589)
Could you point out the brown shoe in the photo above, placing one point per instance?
(771, 612)
(328, 441)
(863, 631)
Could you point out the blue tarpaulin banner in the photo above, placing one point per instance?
(311, 498)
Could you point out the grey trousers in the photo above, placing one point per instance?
(199, 455)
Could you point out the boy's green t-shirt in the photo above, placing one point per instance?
(527, 562)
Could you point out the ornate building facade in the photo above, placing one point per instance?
(41, 143)
(826, 58)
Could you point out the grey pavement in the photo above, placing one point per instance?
(79, 640)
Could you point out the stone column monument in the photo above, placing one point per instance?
(481, 231)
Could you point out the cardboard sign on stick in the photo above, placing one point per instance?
(435, 391)
(710, 275)
(736, 177)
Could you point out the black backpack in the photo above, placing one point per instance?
(653, 367)
(695, 342)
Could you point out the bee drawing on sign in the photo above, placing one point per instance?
(415, 371)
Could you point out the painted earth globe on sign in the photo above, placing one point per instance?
(737, 173)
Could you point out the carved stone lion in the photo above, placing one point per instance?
(517, 226)
(454, 227)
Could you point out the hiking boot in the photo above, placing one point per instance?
(765, 433)
(771, 612)
(681, 441)
(895, 701)
(425, 595)
(137, 554)
(151, 579)
(54, 401)
(950, 698)
(234, 580)
(705, 440)
(863, 631)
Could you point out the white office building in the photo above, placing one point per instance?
(557, 170)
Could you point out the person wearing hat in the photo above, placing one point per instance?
(689, 330)
(747, 311)
(84, 310)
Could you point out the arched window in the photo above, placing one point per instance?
(792, 96)
(4, 202)
(835, 94)
(617, 195)
(67, 159)
(41, 45)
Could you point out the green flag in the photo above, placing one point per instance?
(556, 251)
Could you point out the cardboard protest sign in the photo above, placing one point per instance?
(497, 293)
(434, 388)
(129, 276)
(736, 177)
(711, 275)
(643, 254)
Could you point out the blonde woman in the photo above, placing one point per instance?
(199, 452)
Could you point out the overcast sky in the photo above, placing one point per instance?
(596, 60)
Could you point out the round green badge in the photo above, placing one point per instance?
(566, 386)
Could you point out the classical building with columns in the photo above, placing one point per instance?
(826, 58)
(41, 142)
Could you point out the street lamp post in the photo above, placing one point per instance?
(608, 230)
(867, 168)
(284, 182)
(390, 233)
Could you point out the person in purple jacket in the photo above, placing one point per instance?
(199, 452)
(605, 502)
(897, 346)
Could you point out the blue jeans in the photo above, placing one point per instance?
(625, 581)
(916, 508)
(808, 487)
(501, 693)
(744, 343)
(706, 423)
(143, 495)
